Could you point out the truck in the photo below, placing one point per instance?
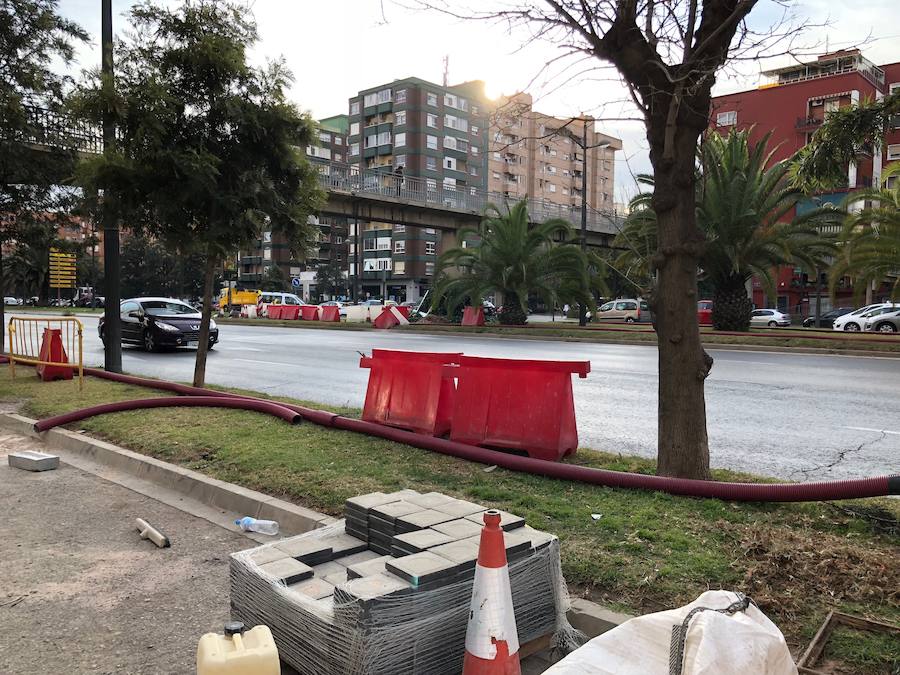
(235, 298)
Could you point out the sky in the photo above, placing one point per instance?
(336, 48)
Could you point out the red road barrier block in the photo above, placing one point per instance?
(290, 312)
(517, 404)
(309, 312)
(473, 316)
(273, 311)
(389, 317)
(330, 313)
(404, 311)
(52, 350)
(410, 390)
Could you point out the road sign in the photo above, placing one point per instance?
(62, 269)
(296, 283)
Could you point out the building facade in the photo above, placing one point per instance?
(543, 157)
(792, 105)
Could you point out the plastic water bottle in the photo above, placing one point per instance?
(254, 525)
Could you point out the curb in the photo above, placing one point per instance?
(588, 617)
(190, 484)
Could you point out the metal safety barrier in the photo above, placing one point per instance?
(27, 341)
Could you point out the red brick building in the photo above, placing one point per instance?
(792, 105)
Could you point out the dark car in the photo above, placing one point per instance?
(157, 323)
(827, 319)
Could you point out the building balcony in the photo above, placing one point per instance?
(251, 260)
(805, 123)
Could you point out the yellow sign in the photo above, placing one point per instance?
(62, 269)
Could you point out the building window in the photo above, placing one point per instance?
(450, 142)
(384, 138)
(400, 267)
(431, 120)
(325, 138)
(831, 105)
(473, 170)
(384, 96)
(430, 230)
(552, 187)
(431, 184)
(893, 151)
(400, 96)
(429, 269)
(354, 107)
(431, 142)
(400, 246)
(338, 157)
(450, 99)
(399, 227)
(400, 117)
(354, 129)
(458, 123)
(495, 175)
(431, 163)
(399, 139)
(429, 248)
(368, 244)
(450, 163)
(474, 130)
(354, 149)
(726, 119)
(371, 141)
(450, 183)
(267, 254)
(383, 244)
(400, 160)
(370, 99)
(431, 98)
(473, 149)
(338, 140)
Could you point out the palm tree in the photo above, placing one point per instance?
(506, 254)
(870, 240)
(741, 207)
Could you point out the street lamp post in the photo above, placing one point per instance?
(112, 355)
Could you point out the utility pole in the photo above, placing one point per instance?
(582, 308)
(112, 355)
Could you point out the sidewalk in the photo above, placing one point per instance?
(81, 592)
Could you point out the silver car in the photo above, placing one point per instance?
(856, 321)
(888, 322)
(769, 317)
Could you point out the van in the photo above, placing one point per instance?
(267, 298)
(624, 309)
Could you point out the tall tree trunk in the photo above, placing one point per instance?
(682, 446)
(731, 306)
(512, 314)
(203, 344)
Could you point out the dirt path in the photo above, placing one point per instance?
(81, 592)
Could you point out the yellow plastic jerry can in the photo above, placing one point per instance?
(238, 652)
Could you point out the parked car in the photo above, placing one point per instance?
(157, 323)
(9, 300)
(769, 317)
(827, 319)
(855, 320)
(889, 322)
(335, 303)
(624, 309)
(704, 312)
(371, 302)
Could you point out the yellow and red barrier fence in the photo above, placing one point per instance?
(52, 345)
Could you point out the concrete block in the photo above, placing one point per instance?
(458, 529)
(390, 512)
(459, 508)
(368, 568)
(414, 542)
(315, 588)
(362, 556)
(308, 551)
(420, 520)
(420, 569)
(593, 619)
(288, 570)
(429, 500)
(330, 567)
(462, 553)
(261, 556)
(31, 460)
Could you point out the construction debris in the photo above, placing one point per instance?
(149, 532)
(32, 460)
(391, 585)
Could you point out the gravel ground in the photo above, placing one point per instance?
(81, 592)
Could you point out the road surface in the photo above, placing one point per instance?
(796, 416)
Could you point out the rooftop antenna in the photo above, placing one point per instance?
(446, 70)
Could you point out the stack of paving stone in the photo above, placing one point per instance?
(387, 590)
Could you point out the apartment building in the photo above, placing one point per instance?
(543, 157)
(331, 244)
(412, 130)
(792, 104)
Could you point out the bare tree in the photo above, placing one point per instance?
(667, 53)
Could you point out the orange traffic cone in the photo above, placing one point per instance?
(492, 642)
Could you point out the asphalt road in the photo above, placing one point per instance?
(796, 416)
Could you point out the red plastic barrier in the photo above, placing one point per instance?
(473, 316)
(309, 312)
(387, 319)
(273, 311)
(329, 313)
(410, 390)
(52, 350)
(517, 404)
(290, 312)
(403, 310)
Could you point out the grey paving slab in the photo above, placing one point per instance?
(331, 567)
(368, 568)
(288, 570)
(362, 556)
(311, 551)
(463, 553)
(429, 500)
(421, 568)
(508, 521)
(421, 520)
(262, 556)
(414, 542)
(390, 512)
(458, 529)
(344, 544)
(32, 460)
(459, 508)
(315, 588)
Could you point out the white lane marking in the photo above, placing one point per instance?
(877, 431)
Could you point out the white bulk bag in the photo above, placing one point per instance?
(744, 642)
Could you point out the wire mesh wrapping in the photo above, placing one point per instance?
(383, 623)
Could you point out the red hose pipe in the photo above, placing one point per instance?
(878, 486)
(256, 405)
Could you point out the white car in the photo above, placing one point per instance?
(855, 320)
(9, 300)
(769, 317)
